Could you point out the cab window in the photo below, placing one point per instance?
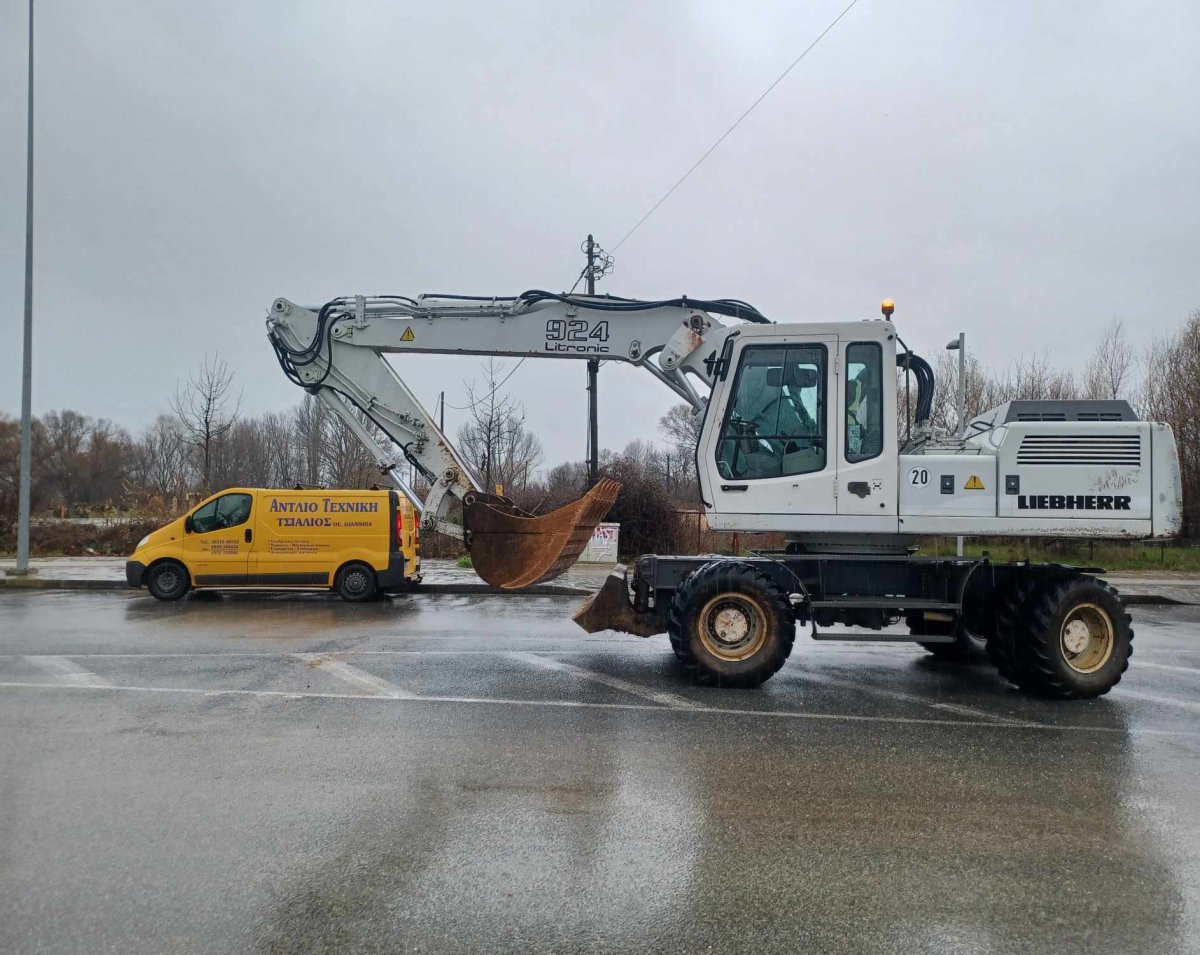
(775, 422)
(864, 401)
(228, 510)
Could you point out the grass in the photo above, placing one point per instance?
(1111, 555)
(464, 561)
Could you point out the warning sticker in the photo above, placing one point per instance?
(973, 484)
(408, 335)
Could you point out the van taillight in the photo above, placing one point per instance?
(399, 528)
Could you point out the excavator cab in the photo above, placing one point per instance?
(512, 549)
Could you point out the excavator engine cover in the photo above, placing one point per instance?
(511, 549)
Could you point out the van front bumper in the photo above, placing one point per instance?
(135, 573)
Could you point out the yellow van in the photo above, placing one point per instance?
(356, 543)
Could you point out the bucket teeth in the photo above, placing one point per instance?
(511, 549)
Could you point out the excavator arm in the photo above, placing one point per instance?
(336, 352)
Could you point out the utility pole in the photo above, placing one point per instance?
(593, 366)
(442, 412)
(23, 507)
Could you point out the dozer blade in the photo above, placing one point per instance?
(511, 549)
(609, 609)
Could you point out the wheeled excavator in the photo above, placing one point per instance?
(803, 433)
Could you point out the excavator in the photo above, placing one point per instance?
(810, 430)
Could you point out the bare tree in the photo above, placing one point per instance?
(310, 429)
(494, 438)
(161, 466)
(346, 463)
(564, 483)
(681, 427)
(109, 463)
(203, 409)
(64, 461)
(276, 432)
(1170, 393)
(1033, 377)
(241, 458)
(1111, 366)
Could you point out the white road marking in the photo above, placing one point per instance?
(375, 685)
(66, 670)
(962, 710)
(658, 696)
(641, 707)
(634, 651)
(1195, 671)
(1123, 694)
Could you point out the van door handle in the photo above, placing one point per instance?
(249, 535)
(734, 487)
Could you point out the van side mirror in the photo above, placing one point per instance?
(188, 524)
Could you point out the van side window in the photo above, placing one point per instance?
(775, 421)
(228, 510)
(864, 401)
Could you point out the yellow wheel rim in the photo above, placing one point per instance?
(732, 626)
(1087, 637)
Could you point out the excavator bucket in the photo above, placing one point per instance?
(512, 549)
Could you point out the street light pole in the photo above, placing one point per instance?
(23, 506)
(962, 385)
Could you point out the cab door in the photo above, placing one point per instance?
(771, 443)
(867, 478)
(218, 537)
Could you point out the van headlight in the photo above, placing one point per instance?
(142, 542)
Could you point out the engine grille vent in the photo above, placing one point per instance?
(1062, 416)
(1111, 450)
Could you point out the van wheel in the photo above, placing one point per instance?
(168, 580)
(355, 582)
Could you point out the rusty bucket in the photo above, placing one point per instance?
(511, 549)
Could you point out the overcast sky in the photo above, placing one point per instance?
(1021, 171)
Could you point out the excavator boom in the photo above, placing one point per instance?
(337, 352)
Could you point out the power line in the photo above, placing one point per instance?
(735, 125)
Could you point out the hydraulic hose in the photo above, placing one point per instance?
(925, 387)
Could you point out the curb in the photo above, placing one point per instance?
(461, 590)
(67, 583)
(54, 583)
(1153, 600)
(538, 590)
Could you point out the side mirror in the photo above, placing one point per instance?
(803, 377)
(188, 524)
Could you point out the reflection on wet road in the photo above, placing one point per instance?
(474, 774)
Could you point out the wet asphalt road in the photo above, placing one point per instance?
(476, 775)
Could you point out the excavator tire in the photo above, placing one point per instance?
(731, 625)
(1078, 640)
(1004, 648)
